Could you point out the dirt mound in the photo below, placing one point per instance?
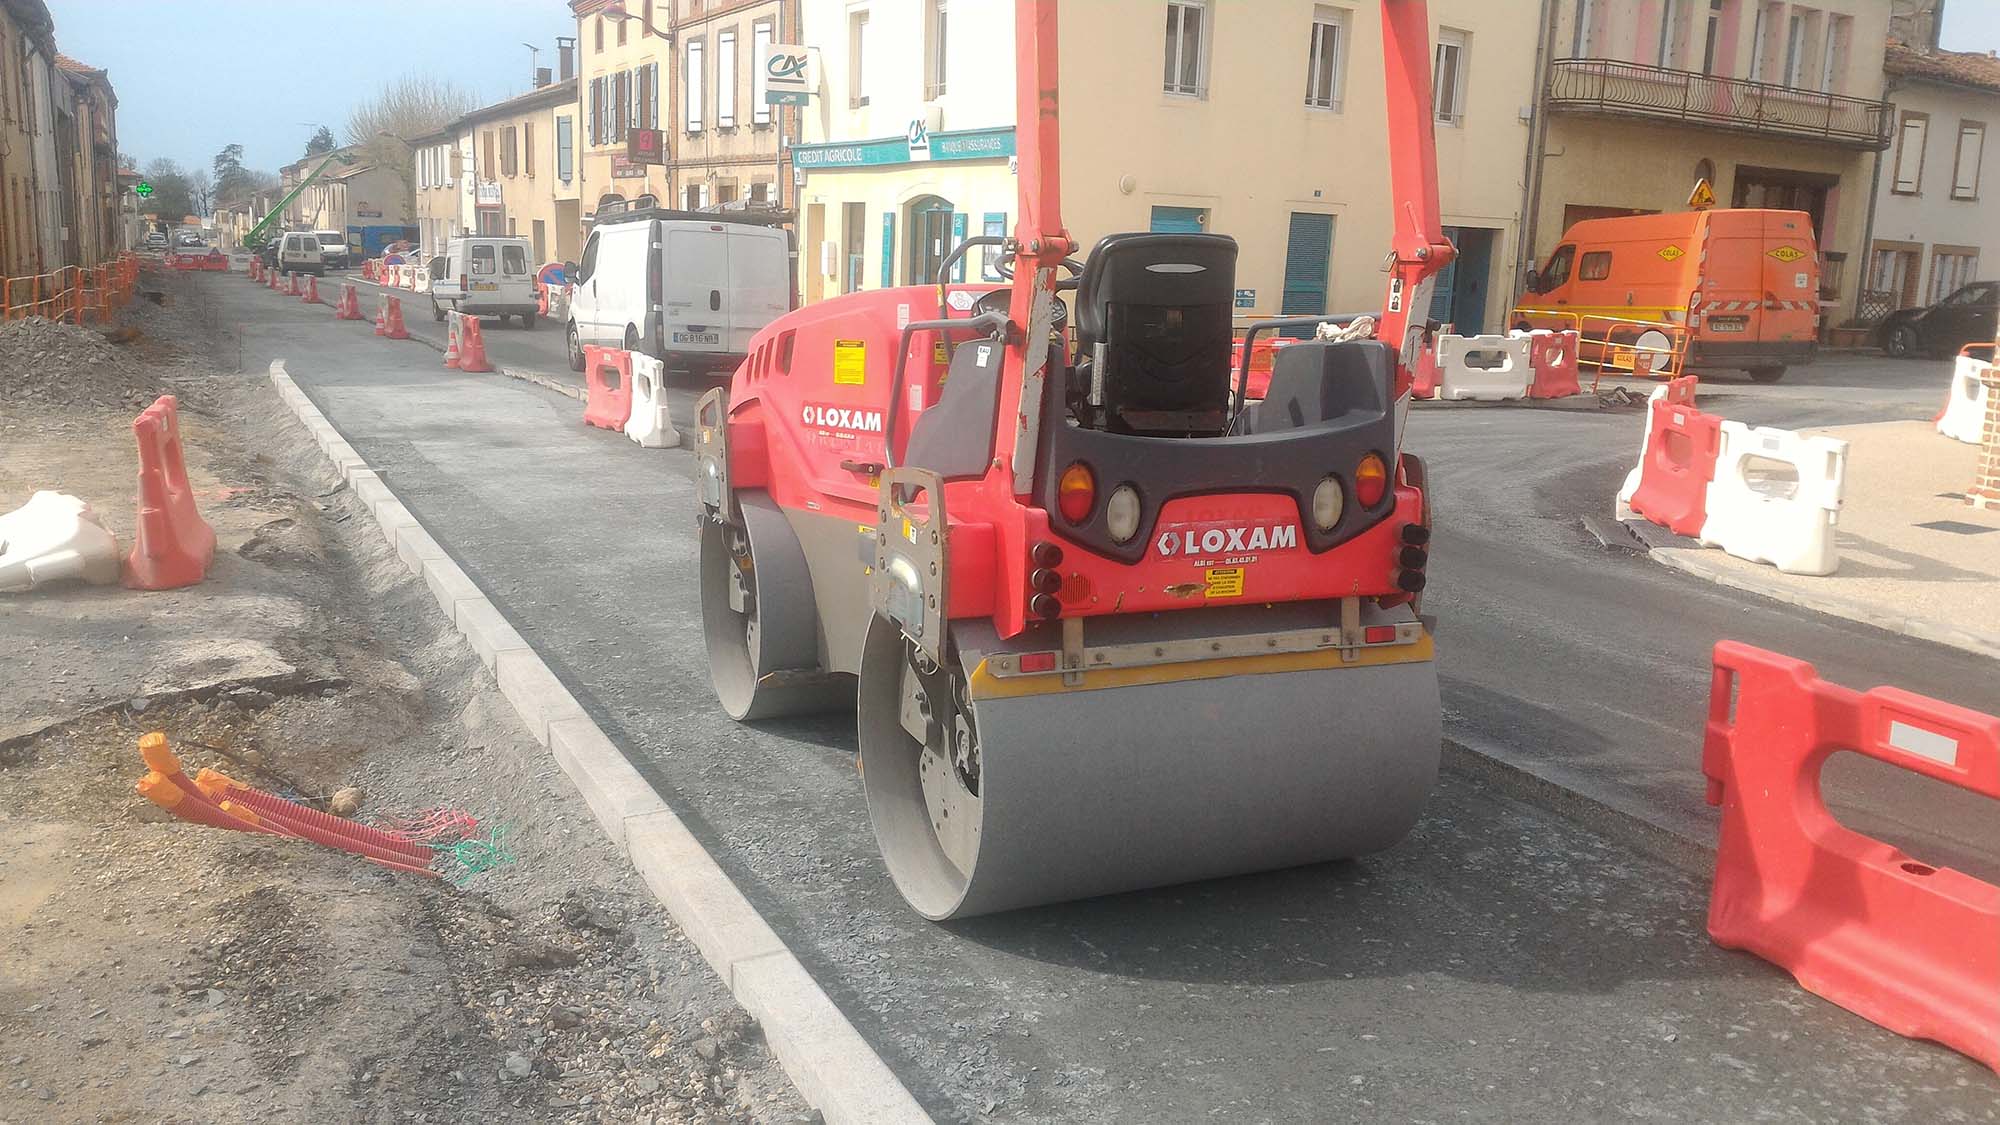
(45, 362)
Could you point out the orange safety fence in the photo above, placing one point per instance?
(72, 293)
(1623, 345)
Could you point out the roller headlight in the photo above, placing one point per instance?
(1121, 513)
(1329, 500)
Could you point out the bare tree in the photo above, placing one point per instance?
(201, 191)
(384, 126)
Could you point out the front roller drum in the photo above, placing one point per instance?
(1049, 794)
(759, 618)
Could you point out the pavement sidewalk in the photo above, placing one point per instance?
(1914, 557)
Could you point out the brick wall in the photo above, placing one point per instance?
(1985, 490)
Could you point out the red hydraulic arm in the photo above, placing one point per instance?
(1419, 244)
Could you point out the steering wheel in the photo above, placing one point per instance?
(1005, 268)
(997, 300)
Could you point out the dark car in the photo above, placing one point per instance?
(1941, 329)
(269, 254)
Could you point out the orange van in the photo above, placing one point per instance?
(1742, 283)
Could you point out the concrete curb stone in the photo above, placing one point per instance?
(833, 1067)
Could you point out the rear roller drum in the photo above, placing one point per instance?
(758, 619)
(989, 795)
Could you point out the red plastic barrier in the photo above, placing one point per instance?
(172, 545)
(607, 406)
(1552, 355)
(256, 268)
(394, 328)
(1674, 471)
(349, 307)
(368, 270)
(215, 262)
(1263, 354)
(311, 294)
(1680, 392)
(1913, 947)
(1424, 380)
(472, 346)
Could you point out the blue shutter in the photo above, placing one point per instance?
(1177, 220)
(653, 85)
(1444, 286)
(1308, 259)
(958, 239)
(888, 249)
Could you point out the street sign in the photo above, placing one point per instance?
(788, 74)
(1702, 197)
(646, 146)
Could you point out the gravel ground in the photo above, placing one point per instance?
(154, 970)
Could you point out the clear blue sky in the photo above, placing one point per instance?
(195, 75)
(1970, 25)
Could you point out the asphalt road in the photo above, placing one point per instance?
(1518, 957)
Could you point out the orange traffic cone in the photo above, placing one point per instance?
(451, 342)
(396, 330)
(311, 295)
(382, 315)
(349, 307)
(291, 285)
(472, 347)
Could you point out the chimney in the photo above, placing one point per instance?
(566, 57)
(541, 77)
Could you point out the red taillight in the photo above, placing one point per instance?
(1038, 662)
(1371, 481)
(1378, 634)
(1076, 492)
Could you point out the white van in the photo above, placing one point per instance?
(299, 252)
(484, 275)
(686, 287)
(333, 249)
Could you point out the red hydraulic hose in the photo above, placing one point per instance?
(218, 786)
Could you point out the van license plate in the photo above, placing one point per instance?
(485, 287)
(697, 337)
(1728, 323)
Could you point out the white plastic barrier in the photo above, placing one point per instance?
(1964, 417)
(649, 424)
(1631, 484)
(51, 537)
(420, 279)
(1502, 369)
(1769, 517)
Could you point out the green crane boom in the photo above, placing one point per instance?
(254, 239)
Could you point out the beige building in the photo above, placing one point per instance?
(1776, 104)
(351, 195)
(1260, 119)
(731, 143)
(514, 153)
(441, 196)
(1935, 210)
(624, 70)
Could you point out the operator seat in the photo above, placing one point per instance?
(1153, 335)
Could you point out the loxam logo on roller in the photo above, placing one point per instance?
(1202, 542)
(842, 419)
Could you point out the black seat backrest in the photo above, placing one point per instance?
(1160, 304)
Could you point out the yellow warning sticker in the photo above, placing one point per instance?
(850, 362)
(1670, 252)
(1787, 253)
(1225, 581)
(939, 353)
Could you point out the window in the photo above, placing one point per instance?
(760, 191)
(653, 95)
(857, 59)
(1579, 40)
(645, 97)
(692, 76)
(1670, 22)
(1910, 154)
(513, 259)
(691, 197)
(1757, 44)
(934, 50)
(725, 79)
(528, 148)
(510, 165)
(1557, 271)
(1795, 48)
(621, 32)
(486, 169)
(993, 225)
(565, 159)
(1595, 266)
(1951, 268)
(482, 258)
(600, 33)
(1448, 77)
(1713, 35)
(1834, 58)
(1965, 166)
(621, 108)
(760, 43)
(1325, 63)
(1187, 40)
(597, 111)
(646, 26)
(585, 267)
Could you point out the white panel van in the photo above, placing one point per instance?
(689, 288)
(484, 275)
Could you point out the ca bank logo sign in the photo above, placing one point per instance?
(919, 136)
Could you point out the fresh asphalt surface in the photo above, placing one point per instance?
(1516, 958)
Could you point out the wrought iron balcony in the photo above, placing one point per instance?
(1627, 89)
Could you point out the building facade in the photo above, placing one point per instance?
(1259, 119)
(1935, 212)
(1776, 104)
(732, 144)
(514, 158)
(624, 73)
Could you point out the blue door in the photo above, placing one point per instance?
(1179, 220)
(1458, 292)
(1308, 263)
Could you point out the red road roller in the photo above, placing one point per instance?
(1105, 623)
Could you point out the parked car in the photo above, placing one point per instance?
(156, 240)
(333, 249)
(689, 288)
(1754, 272)
(484, 275)
(1966, 316)
(299, 252)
